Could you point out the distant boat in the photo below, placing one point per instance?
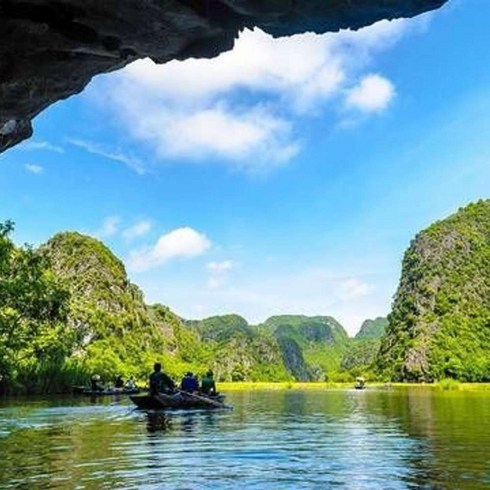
(360, 383)
(179, 399)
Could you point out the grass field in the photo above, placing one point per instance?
(446, 385)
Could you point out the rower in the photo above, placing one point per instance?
(159, 381)
(95, 383)
(130, 384)
(208, 386)
(119, 384)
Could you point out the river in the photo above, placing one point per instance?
(343, 439)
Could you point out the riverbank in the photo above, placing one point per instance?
(445, 385)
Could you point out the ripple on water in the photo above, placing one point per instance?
(270, 441)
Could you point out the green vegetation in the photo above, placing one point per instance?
(33, 312)
(311, 347)
(440, 323)
(68, 310)
(373, 329)
(359, 358)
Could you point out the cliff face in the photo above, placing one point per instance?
(238, 351)
(364, 346)
(115, 330)
(440, 323)
(50, 50)
(311, 346)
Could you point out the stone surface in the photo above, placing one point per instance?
(50, 50)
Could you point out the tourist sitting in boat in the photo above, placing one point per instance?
(208, 386)
(189, 383)
(159, 381)
(95, 383)
(130, 384)
(119, 384)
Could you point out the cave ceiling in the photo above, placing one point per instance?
(50, 50)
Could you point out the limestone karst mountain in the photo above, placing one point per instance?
(440, 323)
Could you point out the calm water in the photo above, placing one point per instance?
(373, 439)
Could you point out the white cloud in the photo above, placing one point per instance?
(40, 145)
(219, 267)
(181, 243)
(236, 137)
(293, 66)
(110, 227)
(215, 282)
(218, 271)
(116, 155)
(244, 108)
(138, 230)
(34, 169)
(373, 94)
(353, 288)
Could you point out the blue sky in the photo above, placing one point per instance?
(287, 176)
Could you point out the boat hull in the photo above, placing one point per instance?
(179, 400)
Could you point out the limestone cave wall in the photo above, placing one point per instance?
(50, 49)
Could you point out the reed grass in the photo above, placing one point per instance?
(444, 385)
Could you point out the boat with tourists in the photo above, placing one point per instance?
(164, 394)
(179, 400)
(360, 383)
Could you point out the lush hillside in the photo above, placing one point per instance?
(372, 329)
(115, 331)
(69, 311)
(312, 347)
(238, 351)
(222, 328)
(440, 323)
(363, 348)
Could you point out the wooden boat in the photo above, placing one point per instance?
(83, 390)
(360, 383)
(179, 399)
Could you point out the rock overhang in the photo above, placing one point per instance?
(51, 49)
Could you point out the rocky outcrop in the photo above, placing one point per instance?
(440, 323)
(50, 49)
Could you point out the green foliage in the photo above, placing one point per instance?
(372, 329)
(448, 384)
(359, 358)
(440, 323)
(33, 310)
(69, 311)
(312, 347)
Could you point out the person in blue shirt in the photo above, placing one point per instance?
(189, 383)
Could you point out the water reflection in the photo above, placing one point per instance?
(157, 421)
(397, 439)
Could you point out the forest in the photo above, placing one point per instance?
(68, 311)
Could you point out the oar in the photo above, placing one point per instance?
(203, 399)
